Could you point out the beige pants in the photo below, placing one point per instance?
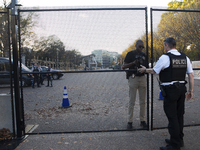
(137, 83)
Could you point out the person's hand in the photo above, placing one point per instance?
(189, 96)
(136, 62)
(142, 70)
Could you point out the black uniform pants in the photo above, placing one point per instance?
(41, 79)
(174, 107)
(36, 79)
(49, 78)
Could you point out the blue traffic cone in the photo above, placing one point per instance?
(65, 102)
(160, 96)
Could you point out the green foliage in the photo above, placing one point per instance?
(27, 24)
(186, 4)
(183, 26)
(47, 47)
(132, 46)
(4, 37)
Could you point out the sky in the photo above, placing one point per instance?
(86, 31)
(148, 3)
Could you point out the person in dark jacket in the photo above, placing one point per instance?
(136, 81)
(49, 76)
(35, 75)
(41, 79)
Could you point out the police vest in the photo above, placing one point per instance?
(35, 69)
(177, 69)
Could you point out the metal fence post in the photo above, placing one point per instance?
(151, 67)
(18, 106)
(147, 60)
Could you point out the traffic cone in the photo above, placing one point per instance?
(65, 102)
(160, 96)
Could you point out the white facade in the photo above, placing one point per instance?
(100, 57)
(92, 63)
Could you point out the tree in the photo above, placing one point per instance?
(48, 47)
(73, 57)
(4, 36)
(29, 54)
(27, 22)
(183, 26)
(186, 4)
(132, 46)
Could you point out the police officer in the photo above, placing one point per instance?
(49, 75)
(172, 68)
(36, 76)
(136, 81)
(40, 75)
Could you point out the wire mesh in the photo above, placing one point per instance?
(183, 25)
(99, 99)
(4, 49)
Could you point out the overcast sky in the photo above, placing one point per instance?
(148, 3)
(86, 31)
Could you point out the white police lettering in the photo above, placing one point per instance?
(179, 63)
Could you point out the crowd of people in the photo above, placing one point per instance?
(38, 76)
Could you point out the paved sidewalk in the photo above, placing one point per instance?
(97, 107)
(135, 140)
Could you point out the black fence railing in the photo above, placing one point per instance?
(94, 106)
(183, 25)
(99, 97)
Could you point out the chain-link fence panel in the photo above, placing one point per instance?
(4, 51)
(8, 121)
(75, 42)
(183, 25)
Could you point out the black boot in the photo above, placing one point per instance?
(143, 124)
(129, 126)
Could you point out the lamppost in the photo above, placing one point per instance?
(75, 62)
(57, 60)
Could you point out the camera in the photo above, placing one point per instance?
(139, 59)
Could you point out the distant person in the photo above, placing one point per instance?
(136, 81)
(35, 75)
(172, 68)
(49, 76)
(40, 75)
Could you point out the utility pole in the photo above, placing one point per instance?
(57, 60)
(75, 62)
